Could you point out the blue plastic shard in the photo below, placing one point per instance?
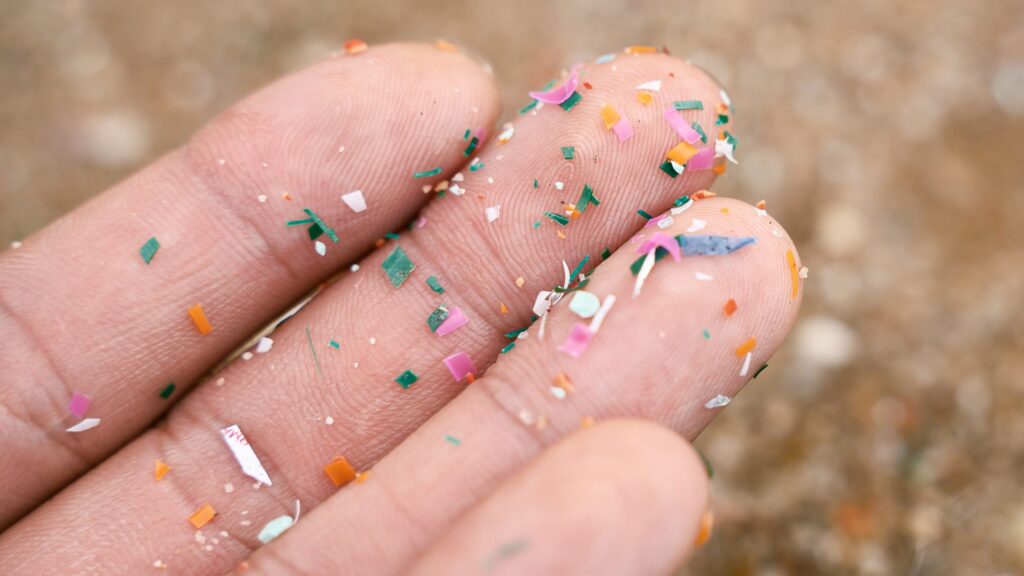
(703, 245)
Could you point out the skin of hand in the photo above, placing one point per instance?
(541, 462)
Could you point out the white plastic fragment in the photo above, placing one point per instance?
(558, 392)
(703, 277)
(264, 345)
(244, 454)
(717, 402)
(584, 304)
(595, 323)
(725, 148)
(697, 225)
(492, 213)
(320, 248)
(87, 424)
(666, 222)
(746, 364)
(645, 270)
(355, 200)
(653, 86)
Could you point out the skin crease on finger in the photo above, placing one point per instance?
(661, 356)
(622, 497)
(82, 312)
(284, 400)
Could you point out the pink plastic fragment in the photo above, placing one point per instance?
(481, 133)
(79, 404)
(683, 129)
(460, 364)
(562, 93)
(623, 129)
(664, 241)
(654, 222)
(456, 319)
(702, 160)
(578, 340)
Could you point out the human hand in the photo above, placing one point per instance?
(465, 478)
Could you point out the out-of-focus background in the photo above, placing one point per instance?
(887, 136)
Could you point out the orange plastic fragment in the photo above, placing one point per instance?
(761, 205)
(643, 97)
(470, 378)
(445, 45)
(723, 210)
(562, 381)
(287, 196)
(640, 50)
(160, 470)
(586, 422)
(702, 194)
(719, 169)
(561, 235)
(588, 85)
(340, 471)
(682, 153)
(202, 517)
(354, 46)
(707, 524)
(504, 309)
(746, 347)
(199, 317)
(793, 272)
(730, 307)
(609, 116)
(363, 476)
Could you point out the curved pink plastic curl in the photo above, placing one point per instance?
(664, 241)
(562, 93)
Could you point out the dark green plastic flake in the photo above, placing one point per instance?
(391, 236)
(397, 266)
(437, 317)
(644, 214)
(435, 285)
(508, 347)
(476, 166)
(722, 119)
(688, 105)
(427, 173)
(317, 226)
(167, 391)
(334, 344)
(466, 135)
(731, 139)
(586, 198)
(606, 253)
(667, 168)
(535, 183)
(528, 107)
(149, 249)
(472, 146)
(568, 152)
(696, 128)
(707, 335)
(571, 101)
(406, 379)
(557, 218)
(759, 370)
(681, 200)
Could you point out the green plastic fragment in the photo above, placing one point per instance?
(149, 249)
(452, 440)
(759, 370)
(435, 285)
(317, 226)
(707, 335)
(300, 222)
(557, 218)
(528, 107)
(722, 119)
(397, 266)
(466, 135)
(508, 347)
(437, 317)
(731, 139)
(586, 198)
(167, 391)
(688, 105)
(536, 224)
(406, 379)
(568, 152)
(644, 214)
(696, 128)
(514, 333)
(472, 146)
(476, 166)
(391, 236)
(334, 344)
(579, 268)
(571, 101)
(659, 253)
(535, 183)
(681, 200)
(606, 253)
(427, 173)
(667, 168)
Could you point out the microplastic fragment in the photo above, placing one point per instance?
(202, 517)
(643, 98)
(507, 347)
(87, 424)
(160, 469)
(320, 248)
(730, 307)
(681, 153)
(699, 245)
(334, 344)
(725, 148)
(354, 46)
(759, 370)
(606, 253)
(623, 129)
(669, 167)
(794, 272)
(244, 454)
(471, 147)
(717, 402)
(492, 213)
(746, 364)
(644, 215)
(606, 306)
(199, 318)
(452, 440)
(587, 198)
(571, 102)
(697, 225)
(706, 334)
(721, 120)
(435, 285)
(647, 264)
(568, 152)
(397, 266)
(746, 347)
(683, 130)
(427, 173)
(460, 364)
(664, 241)
(354, 200)
(264, 345)
(702, 276)
(340, 471)
(604, 59)
(696, 128)
(275, 528)
(701, 160)
(79, 404)
(149, 249)
(688, 105)
(439, 315)
(406, 379)
(533, 104)
(557, 218)
(456, 319)
(584, 304)
(609, 116)
(577, 341)
(640, 50)
(653, 86)
(167, 391)
(563, 93)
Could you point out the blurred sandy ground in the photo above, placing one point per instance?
(888, 137)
